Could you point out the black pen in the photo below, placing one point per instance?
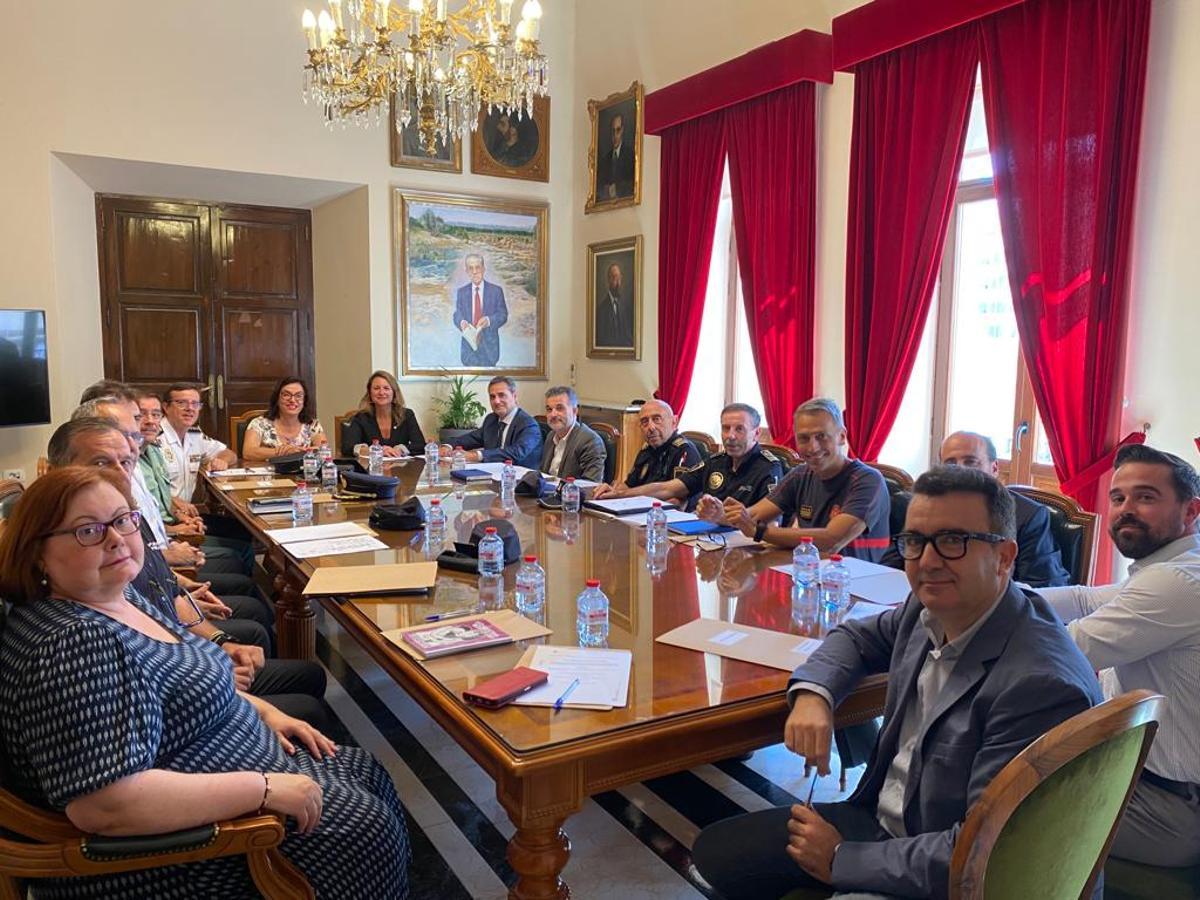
(812, 787)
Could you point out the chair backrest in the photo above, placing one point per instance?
(43, 466)
(10, 493)
(894, 475)
(789, 457)
(1044, 825)
(339, 432)
(1073, 529)
(612, 444)
(237, 427)
(705, 443)
(543, 426)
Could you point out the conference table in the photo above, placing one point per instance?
(685, 707)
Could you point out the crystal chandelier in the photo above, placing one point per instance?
(444, 66)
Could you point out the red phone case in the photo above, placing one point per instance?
(503, 689)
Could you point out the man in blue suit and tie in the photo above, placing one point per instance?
(977, 670)
(479, 313)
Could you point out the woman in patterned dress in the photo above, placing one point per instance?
(290, 425)
(119, 717)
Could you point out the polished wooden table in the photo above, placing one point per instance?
(685, 708)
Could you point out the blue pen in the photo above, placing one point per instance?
(558, 704)
(437, 617)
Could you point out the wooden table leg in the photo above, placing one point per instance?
(538, 803)
(295, 622)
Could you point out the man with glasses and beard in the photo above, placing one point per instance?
(977, 670)
(1145, 633)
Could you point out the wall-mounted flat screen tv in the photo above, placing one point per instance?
(24, 374)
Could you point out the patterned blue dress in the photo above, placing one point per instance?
(86, 701)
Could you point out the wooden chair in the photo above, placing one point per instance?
(705, 443)
(1044, 825)
(1073, 529)
(544, 427)
(894, 475)
(43, 466)
(238, 425)
(612, 445)
(10, 492)
(339, 433)
(789, 457)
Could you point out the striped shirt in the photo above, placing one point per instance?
(1145, 632)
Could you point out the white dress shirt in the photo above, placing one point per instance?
(560, 451)
(1145, 633)
(507, 421)
(183, 457)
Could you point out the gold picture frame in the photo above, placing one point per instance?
(407, 153)
(507, 150)
(614, 326)
(612, 181)
(433, 235)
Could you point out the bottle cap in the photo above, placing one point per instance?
(806, 539)
(508, 462)
(531, 558)
(374, 442)
(436, 501)
(593, 582)
(571, 479)
(656, 504)
(457, 447)
(491, 529)
(835, 557)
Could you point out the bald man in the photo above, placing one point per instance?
(666, 450)
(1039, 564)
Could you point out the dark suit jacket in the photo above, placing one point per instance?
(494, 307)
(363, 429)
(1039, 564)
(1018, 677)
(523, 445)
(583, 457)
(618, 172)
(614, 329)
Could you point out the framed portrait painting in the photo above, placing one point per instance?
(614, 298)
(471, 276)
(615, 153)
(408, 152)
(513, 146)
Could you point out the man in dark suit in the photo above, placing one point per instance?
(507, 432)
(977, 670)
(479, 313)
(614, 312)
(1039, 563)
(572, 450)
(614, 174)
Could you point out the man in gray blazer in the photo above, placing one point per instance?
(572, 450)
(977, 670)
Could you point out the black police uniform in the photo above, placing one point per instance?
(659, 463)
(759, 470)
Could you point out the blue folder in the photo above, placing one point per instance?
(698, 526)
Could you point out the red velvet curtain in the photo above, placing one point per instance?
(1063, 83)
(910, 122)
(693, 161)
(772, 170)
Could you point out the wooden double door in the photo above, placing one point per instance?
(220, 295)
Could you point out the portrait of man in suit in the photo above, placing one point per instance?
(479, 314)
(615, 151)
(614, 310)
(614, 171)
(614, 301)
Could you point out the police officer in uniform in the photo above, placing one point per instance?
(666, 453)
(743, 471)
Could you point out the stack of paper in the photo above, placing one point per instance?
(234, 473)
(625, 506)
(358, 581)
(603, 677)
(335, 539)
(869, 581)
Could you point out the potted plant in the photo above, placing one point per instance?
(459, 411)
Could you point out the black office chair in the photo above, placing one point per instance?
(611, 437)
(1072, 527)
(544, 427)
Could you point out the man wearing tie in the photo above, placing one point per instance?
(614, 315)
(615, 175)
(479, 312)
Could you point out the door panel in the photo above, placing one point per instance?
(148, 330)
(159, 252)
(263, 260)
(260, 345)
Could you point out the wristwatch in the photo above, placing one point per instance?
(221, 638)
(759, 531)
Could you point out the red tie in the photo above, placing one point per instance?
(478, 310)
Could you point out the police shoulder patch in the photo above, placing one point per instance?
(679, 441)
(768, 455)
(696, 468)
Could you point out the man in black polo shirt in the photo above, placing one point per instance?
(744, 471)
(666, 450)
(841, 503)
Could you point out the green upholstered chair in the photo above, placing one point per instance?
(705, 443)
(1043, 827)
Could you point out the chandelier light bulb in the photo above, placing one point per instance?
(416, 6)
(325, 26)
(531, 10)
(335, 10)
(309, 22)
(381, 13)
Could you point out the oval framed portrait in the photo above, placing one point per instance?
(513, 146)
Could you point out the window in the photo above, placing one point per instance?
(969, 374)
(724, 370)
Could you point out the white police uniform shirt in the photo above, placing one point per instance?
(183, 457)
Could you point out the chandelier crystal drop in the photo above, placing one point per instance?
(442, 67)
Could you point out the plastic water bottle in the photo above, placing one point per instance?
(302, 505)
(458, 462)
(437, 516)
(570, 496)
(531, 587)
(656, 527)
(375, 458)
(591, 618)
(326, 453)
(329, 476)
(431, 462)
(508, 482)
(806, 564)
(835, 587)
(312, 467)
(491, 553)
(491, 592)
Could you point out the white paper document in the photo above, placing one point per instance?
(603, 677)
(620, 506)
(638, 520)
(336, 546)
(858, 568)
(315, 532)
(235, 473)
